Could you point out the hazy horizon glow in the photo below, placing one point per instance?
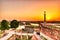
(30, 10)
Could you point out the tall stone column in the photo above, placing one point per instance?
(45, 18)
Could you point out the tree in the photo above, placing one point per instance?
(4, 25)
(14, 24)
(21, 23)
(27, 23)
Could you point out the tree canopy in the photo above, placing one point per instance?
(14, 24)
(4, 25)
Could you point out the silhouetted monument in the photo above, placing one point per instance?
(45, 18)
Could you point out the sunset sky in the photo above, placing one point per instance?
(30, 10)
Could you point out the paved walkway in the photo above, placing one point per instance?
(7, 36)
(36, 37)
(12, 32)
(47, 37)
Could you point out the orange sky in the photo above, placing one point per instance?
(30, 10)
